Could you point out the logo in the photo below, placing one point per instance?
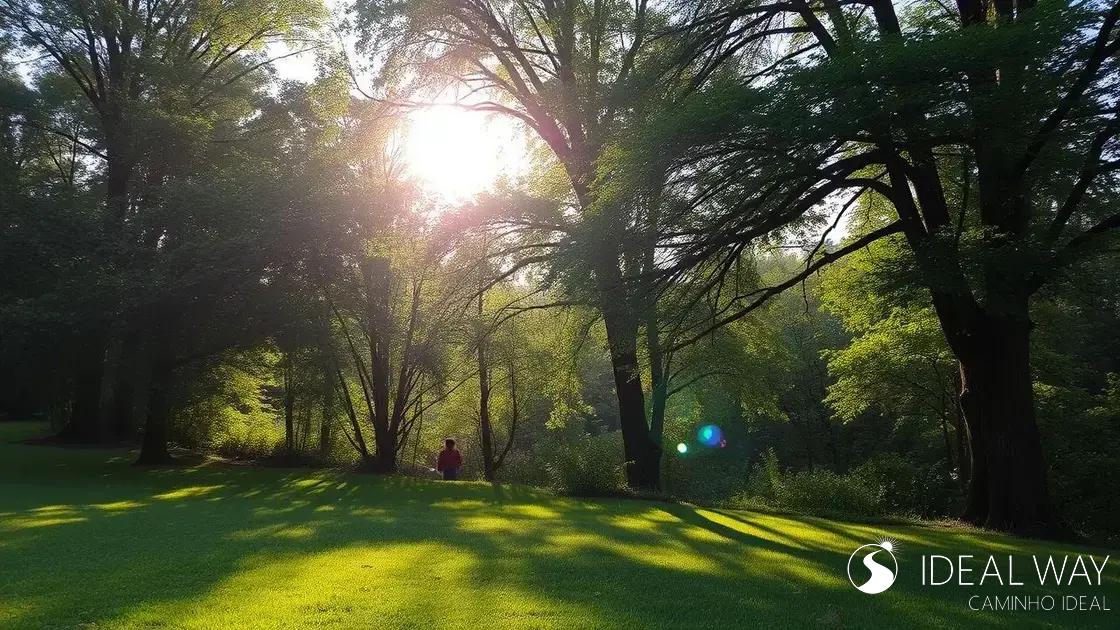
(879, 560)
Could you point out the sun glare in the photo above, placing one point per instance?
(457, 153)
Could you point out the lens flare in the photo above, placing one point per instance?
(682, 448)
(710, 435)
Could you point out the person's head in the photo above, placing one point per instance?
(449, 443)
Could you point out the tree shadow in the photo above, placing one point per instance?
(87, 539)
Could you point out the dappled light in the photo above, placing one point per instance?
(185, 493)
(33, 521)
(278, 545)
(516, 314)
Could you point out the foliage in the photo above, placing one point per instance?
(824, 229)
(226, 411)
(587, 466)
(886, 485)
(1083, 435)
(818, 491)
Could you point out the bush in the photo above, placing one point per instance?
(818, 492)
(589, 467)
(703, 474)
(911, 489)
(525, 467)
(1081, 433)
(827, 493)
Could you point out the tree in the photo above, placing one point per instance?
(495, 341)
(392, 302)
(131, 62)
(46, 242)
(569, 72)
(988, 132)
(898, 364)
(223, 241)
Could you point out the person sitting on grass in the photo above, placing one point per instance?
(450, 461)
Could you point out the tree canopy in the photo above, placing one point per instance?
(755, 251)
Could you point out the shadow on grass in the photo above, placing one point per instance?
(87, 539)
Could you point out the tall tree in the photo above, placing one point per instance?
(222, 239)
(392, 302)
(128, 59)
(988, 129)
(46, 243)
(568, 71)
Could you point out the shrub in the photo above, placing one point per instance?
(909, 488)
(818, 492)
(588, 466)
(1081, 432)
(525, 468)
(827, 493)
(703, 474)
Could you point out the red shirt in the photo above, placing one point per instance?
(449, 459)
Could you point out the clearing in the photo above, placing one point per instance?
(87, 540)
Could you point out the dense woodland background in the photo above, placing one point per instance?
(873, 242)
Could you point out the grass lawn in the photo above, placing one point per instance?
(86, 540)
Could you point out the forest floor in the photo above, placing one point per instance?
(88, 540)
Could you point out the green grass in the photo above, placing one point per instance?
(86, 540)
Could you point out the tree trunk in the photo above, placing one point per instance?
(643, 456)
(658, 358)
(964, 460)
(659, 385)
(84, 426)
(1007, 489)
(358, 440)
(123, 404)
(419, 435)
(513, 417)
(485, 429)
(659, 398)
(89, 363)
(385, 451)
(118, 171)
(948, 445)
(153, 449)
(289, 408)
(377, 277)
(328, 417)
(384, 461)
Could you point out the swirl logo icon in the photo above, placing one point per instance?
(880, 561)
